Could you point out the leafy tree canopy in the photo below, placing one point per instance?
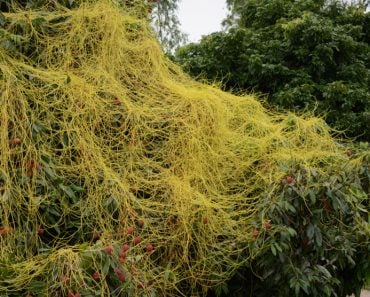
(167, 25)
(303, 54)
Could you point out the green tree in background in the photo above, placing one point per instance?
(303, 54)
(166, 24)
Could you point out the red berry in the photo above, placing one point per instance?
(149, 248)
(130, 230)
(15, 141)
(255, 233)
(34, 165)
(205, 221)
(150, 282)
(125, 247)
(120, 274)
(116, 102)
(123, 254)
(108, 250)
(137, 240)
(289, 179)
(122, 277)
(171, 221)
(80, 104)
(117, 271)
(349, 153)
(139, 286)
(96, 276)
(5, 231)
(41, 231)
(96, 235)
(64, 279)
(140, 223)
(121, 260)
(267, 225)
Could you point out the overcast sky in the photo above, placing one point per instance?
(201, 17)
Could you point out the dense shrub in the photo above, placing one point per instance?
(312, 236)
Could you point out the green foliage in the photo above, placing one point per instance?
(257, 14)
(301, 53)
(313, 236)
(167, 25)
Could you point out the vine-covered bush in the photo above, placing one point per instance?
(120, 175)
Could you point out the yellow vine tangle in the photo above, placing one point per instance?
(98, 130)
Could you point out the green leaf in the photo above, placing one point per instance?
(45, 159)
(324, 271)
(290, 207)
(50, 173)
(77, 188)
(350, 260)
(17, 39)
(37, 287)
(111, 203)
(273, 250)
(106, 265)
(310, 231)
(70, 193)
(53, 211)
(37, 128)
(44, 250)
(169, 276)
(336, 203)
(65, 139)
(225, 289)
(312, 196)
(297, 288)
(327, 291)
(57, 229)
(38, 22)
(8, 45)
(2, 19)
(278, 247)
(291, 231)
(318, 237)
(57, 180)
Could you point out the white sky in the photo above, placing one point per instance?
(201, 17)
